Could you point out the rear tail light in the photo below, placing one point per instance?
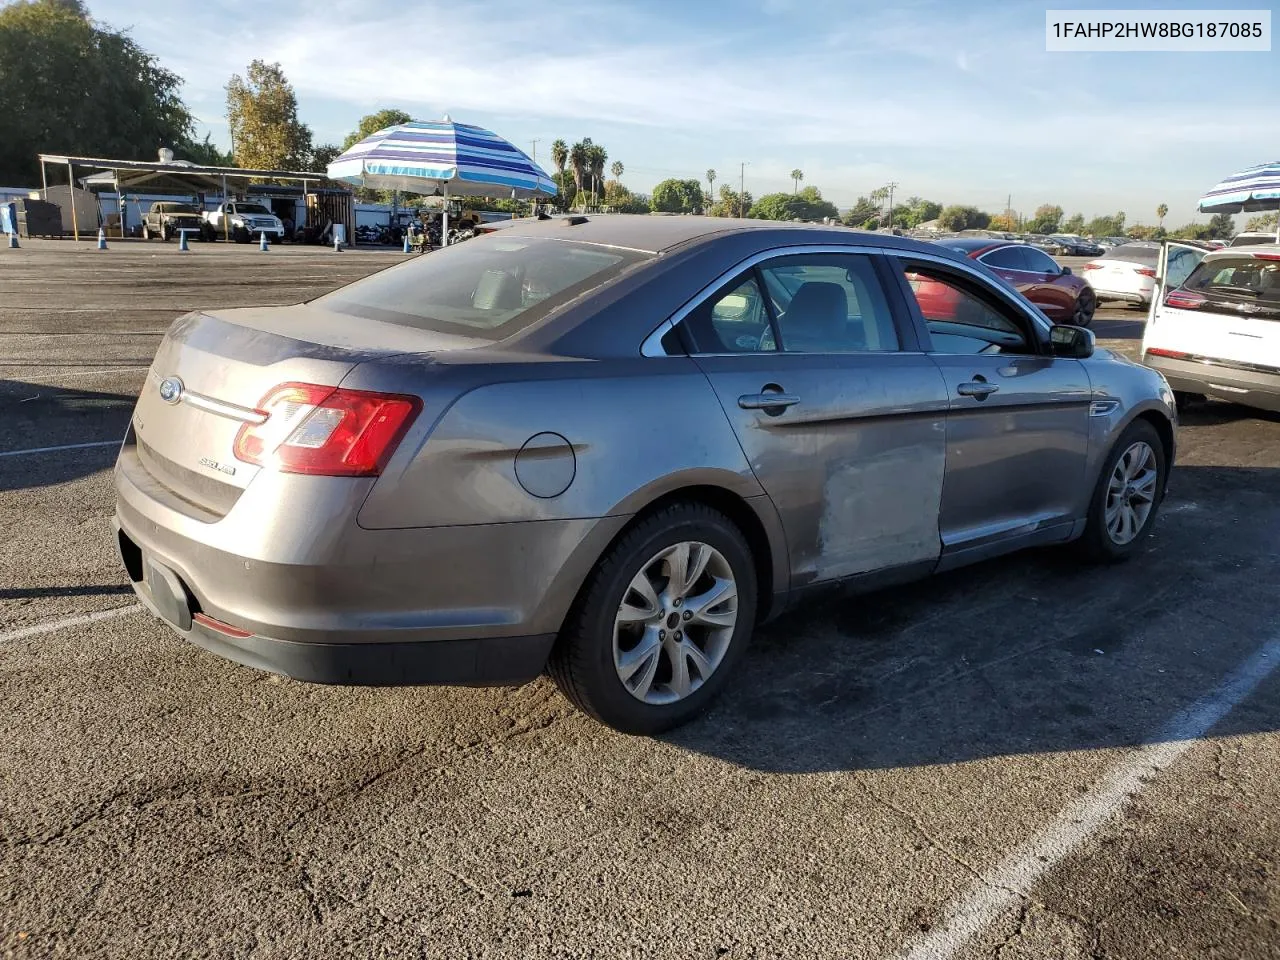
(1093, 266)
(1171, 354)
(1145, 271)
(1266, 256)
(1184, 300)
(326, 431)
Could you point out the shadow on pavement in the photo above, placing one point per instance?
(1032, 653)
(93, 590)
(36, 415)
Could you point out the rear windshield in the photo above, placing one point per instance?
(1242, 279)
(1134, 253)
(491, 286)
(174, 208)
(1246, 240)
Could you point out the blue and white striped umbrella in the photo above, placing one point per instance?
(1257, 188)
(458, 158)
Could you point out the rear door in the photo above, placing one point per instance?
(1227, 307)
(840, 414)
(1018, 420)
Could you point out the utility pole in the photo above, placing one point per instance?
(742, 180)
(535, 152)
(891, 187)
(1008, 211)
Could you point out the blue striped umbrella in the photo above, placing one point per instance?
(426, 156)
(1257, 188)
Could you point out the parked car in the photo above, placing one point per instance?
(1063, 297)
(1128, 273)
(1048, 245)
(1253, 238)
(612, 446)
(165, 219)
(1215, 331)
(245, 221)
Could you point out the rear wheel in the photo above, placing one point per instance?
(1086, 304)
(660, 622)
(146, 232)
(1127, 497)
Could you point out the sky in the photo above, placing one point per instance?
(955, 101)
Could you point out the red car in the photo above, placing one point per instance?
(1064, 297)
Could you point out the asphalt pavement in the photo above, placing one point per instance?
(1023, 759)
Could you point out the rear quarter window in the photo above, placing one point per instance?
(1237, 278)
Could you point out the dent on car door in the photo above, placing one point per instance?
(1017, 423)
(842, 426)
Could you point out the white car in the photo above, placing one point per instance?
(1253, 238)
(1126, 273)
(1215, 329)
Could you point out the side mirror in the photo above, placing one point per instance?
(1066, 271)
(1068, 341)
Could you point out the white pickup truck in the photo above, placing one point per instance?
(245, 221)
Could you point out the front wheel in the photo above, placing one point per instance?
(1086, 304)
(146, 232)
(1128, 495)
(164, 232)
(660, 622)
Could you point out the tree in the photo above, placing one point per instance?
(1046, 219)
(1161, 211)
(262, 111)
(917, 211)
(1112, 226)
(621, 200)
(203, 152)
(1074, 224)
(596, 158)
(568, 194)
(559, 155)
(861, 212)
(617, 169)
(1004, 221)
(963, 218)
(677, 196)
(1265, 221)
(1222, 226)
(797, 175)
(1193, 231)
(371, 123)
(807, 205)
(324, 155)
(731, 203)
(68, 85)
(711, 182)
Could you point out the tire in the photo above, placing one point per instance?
(164, 232)
(1100, 542)
(1184, 400)
(585, 663)
(240, 235)
(1086, 304)
(146, 232)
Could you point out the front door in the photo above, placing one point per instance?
(842, 426)
(1017, 423)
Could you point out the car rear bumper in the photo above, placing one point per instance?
(1238, 383)
(314, 596)
(1125, 296)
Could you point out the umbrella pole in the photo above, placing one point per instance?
(444, 210)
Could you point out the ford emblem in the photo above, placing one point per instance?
(170, 389)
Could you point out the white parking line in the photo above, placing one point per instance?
(68, 446)
(77, 621)
(81, 373)
(1012, 879)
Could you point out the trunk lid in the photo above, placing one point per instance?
(212, 370)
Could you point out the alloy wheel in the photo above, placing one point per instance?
(1131, 493)
(675, 622)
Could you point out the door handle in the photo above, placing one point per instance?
(767, 401)
(979, 389)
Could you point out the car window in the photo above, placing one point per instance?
(1234, 279)
(491, 286)
(829, 303)
(734, 319)
(959, 319)
(1181, 261)
(1040, 262)
(1006, 258)
(251, 208)
(1135, 253)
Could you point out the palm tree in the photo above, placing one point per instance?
(578, 162)
(596, 158)
(559, 155)
(616, 169)
(797, 175)
(1161, 211)
(711, 183)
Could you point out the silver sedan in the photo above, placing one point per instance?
(610, 447)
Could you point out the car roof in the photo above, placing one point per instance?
(658, 234)
(970, 244)
(1245, 248)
